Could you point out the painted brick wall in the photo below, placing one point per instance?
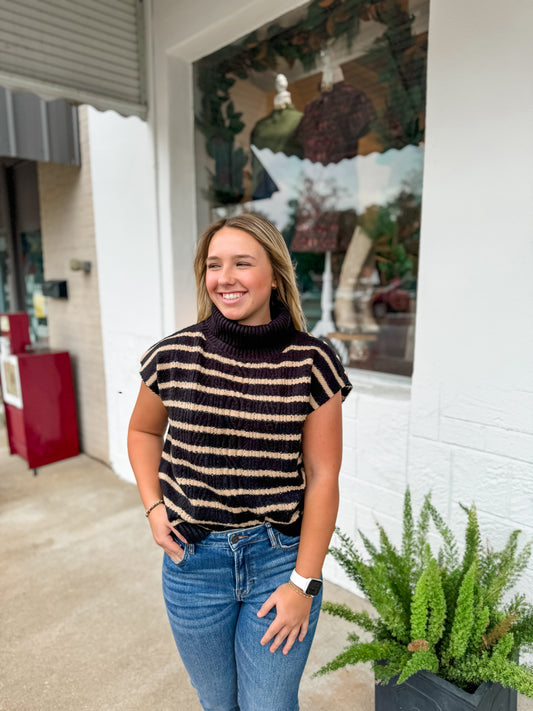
(464, 442)
(68, 233)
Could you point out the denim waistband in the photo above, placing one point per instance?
(195, 533)
(236, 538)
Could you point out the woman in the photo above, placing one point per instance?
(242, 492)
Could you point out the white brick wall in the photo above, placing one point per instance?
(395, 434)
(67, 224)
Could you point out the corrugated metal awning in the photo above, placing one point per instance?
(34, 129)
(84, 52)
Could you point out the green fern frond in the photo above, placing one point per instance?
(361, 619)
(371, 549)
(386, 603)
(472, 540)
(479, 626)
(422, 660)
(450, 555)
(475, 669)
(451, 584)
(361, 652)
(509, 568)
(349, 559)
(422, 528)
(428, 607)
(419, 608)
(392, 667)
(503, 647)
(408, 538)
(398, 570)
(463, 618)
(523, 627)
(437, 604)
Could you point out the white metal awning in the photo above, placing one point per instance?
(79, 50)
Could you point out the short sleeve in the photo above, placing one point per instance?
(328, 377)
(148, 369)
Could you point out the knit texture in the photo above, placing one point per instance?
(237, 398)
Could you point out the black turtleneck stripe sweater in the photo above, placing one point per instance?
(237, 398)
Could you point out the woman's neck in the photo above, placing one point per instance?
(267, 338)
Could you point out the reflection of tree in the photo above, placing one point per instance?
(304, 263)
(402, 59)
(394, 229)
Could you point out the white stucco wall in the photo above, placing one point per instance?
(129, 262)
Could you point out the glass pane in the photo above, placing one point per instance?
(316, 121)
(32, 254)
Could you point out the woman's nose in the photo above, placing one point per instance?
(226, 275)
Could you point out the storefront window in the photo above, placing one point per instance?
(317, 122)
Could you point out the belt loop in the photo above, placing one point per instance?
(190, 548)
(271, 535)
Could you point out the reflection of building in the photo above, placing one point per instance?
(462, 424)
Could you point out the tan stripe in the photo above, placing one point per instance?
(225, 452)
(313, 402)
(184, 516)
(230, 361)
(326, 358)
(151, 379)
(234, 509)
(234, 413)
(272, 380)
(159, 347)
(322, 381)
(233, 432)
(228, 492)
(226, 471)
(184, 385)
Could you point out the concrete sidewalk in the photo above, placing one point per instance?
(83, 624)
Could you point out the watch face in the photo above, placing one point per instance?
(314, 587)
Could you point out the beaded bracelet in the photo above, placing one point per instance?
(150, 508)
(300, 592)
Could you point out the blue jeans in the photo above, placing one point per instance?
(212, 598)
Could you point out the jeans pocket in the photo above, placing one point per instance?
(285, 542)
(186, 548)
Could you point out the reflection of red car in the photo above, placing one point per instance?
(390, 298)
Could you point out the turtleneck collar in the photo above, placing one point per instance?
(252, 340)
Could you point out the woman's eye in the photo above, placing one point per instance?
(243, 264)
(212, 266)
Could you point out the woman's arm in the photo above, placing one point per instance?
(322, 453)
(145, 445)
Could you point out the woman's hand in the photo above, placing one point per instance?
(162, 532)
(292, 617)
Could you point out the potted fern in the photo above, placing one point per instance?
(448, 634)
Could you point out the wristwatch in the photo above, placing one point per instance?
(310, 586)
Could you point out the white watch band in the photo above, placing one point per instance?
(300, 581)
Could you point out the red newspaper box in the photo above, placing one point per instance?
(38, 394)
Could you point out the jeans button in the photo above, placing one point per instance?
(235, 538)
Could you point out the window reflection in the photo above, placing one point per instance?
(317, 122)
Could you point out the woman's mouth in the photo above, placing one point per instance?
(231, 295)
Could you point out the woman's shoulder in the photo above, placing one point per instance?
(190, 336)
(303, 340)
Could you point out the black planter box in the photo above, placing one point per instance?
(426, 692)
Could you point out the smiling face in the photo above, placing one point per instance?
(239, 277)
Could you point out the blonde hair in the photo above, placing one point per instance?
(273, 243)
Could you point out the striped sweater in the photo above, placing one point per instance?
(237, 398)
